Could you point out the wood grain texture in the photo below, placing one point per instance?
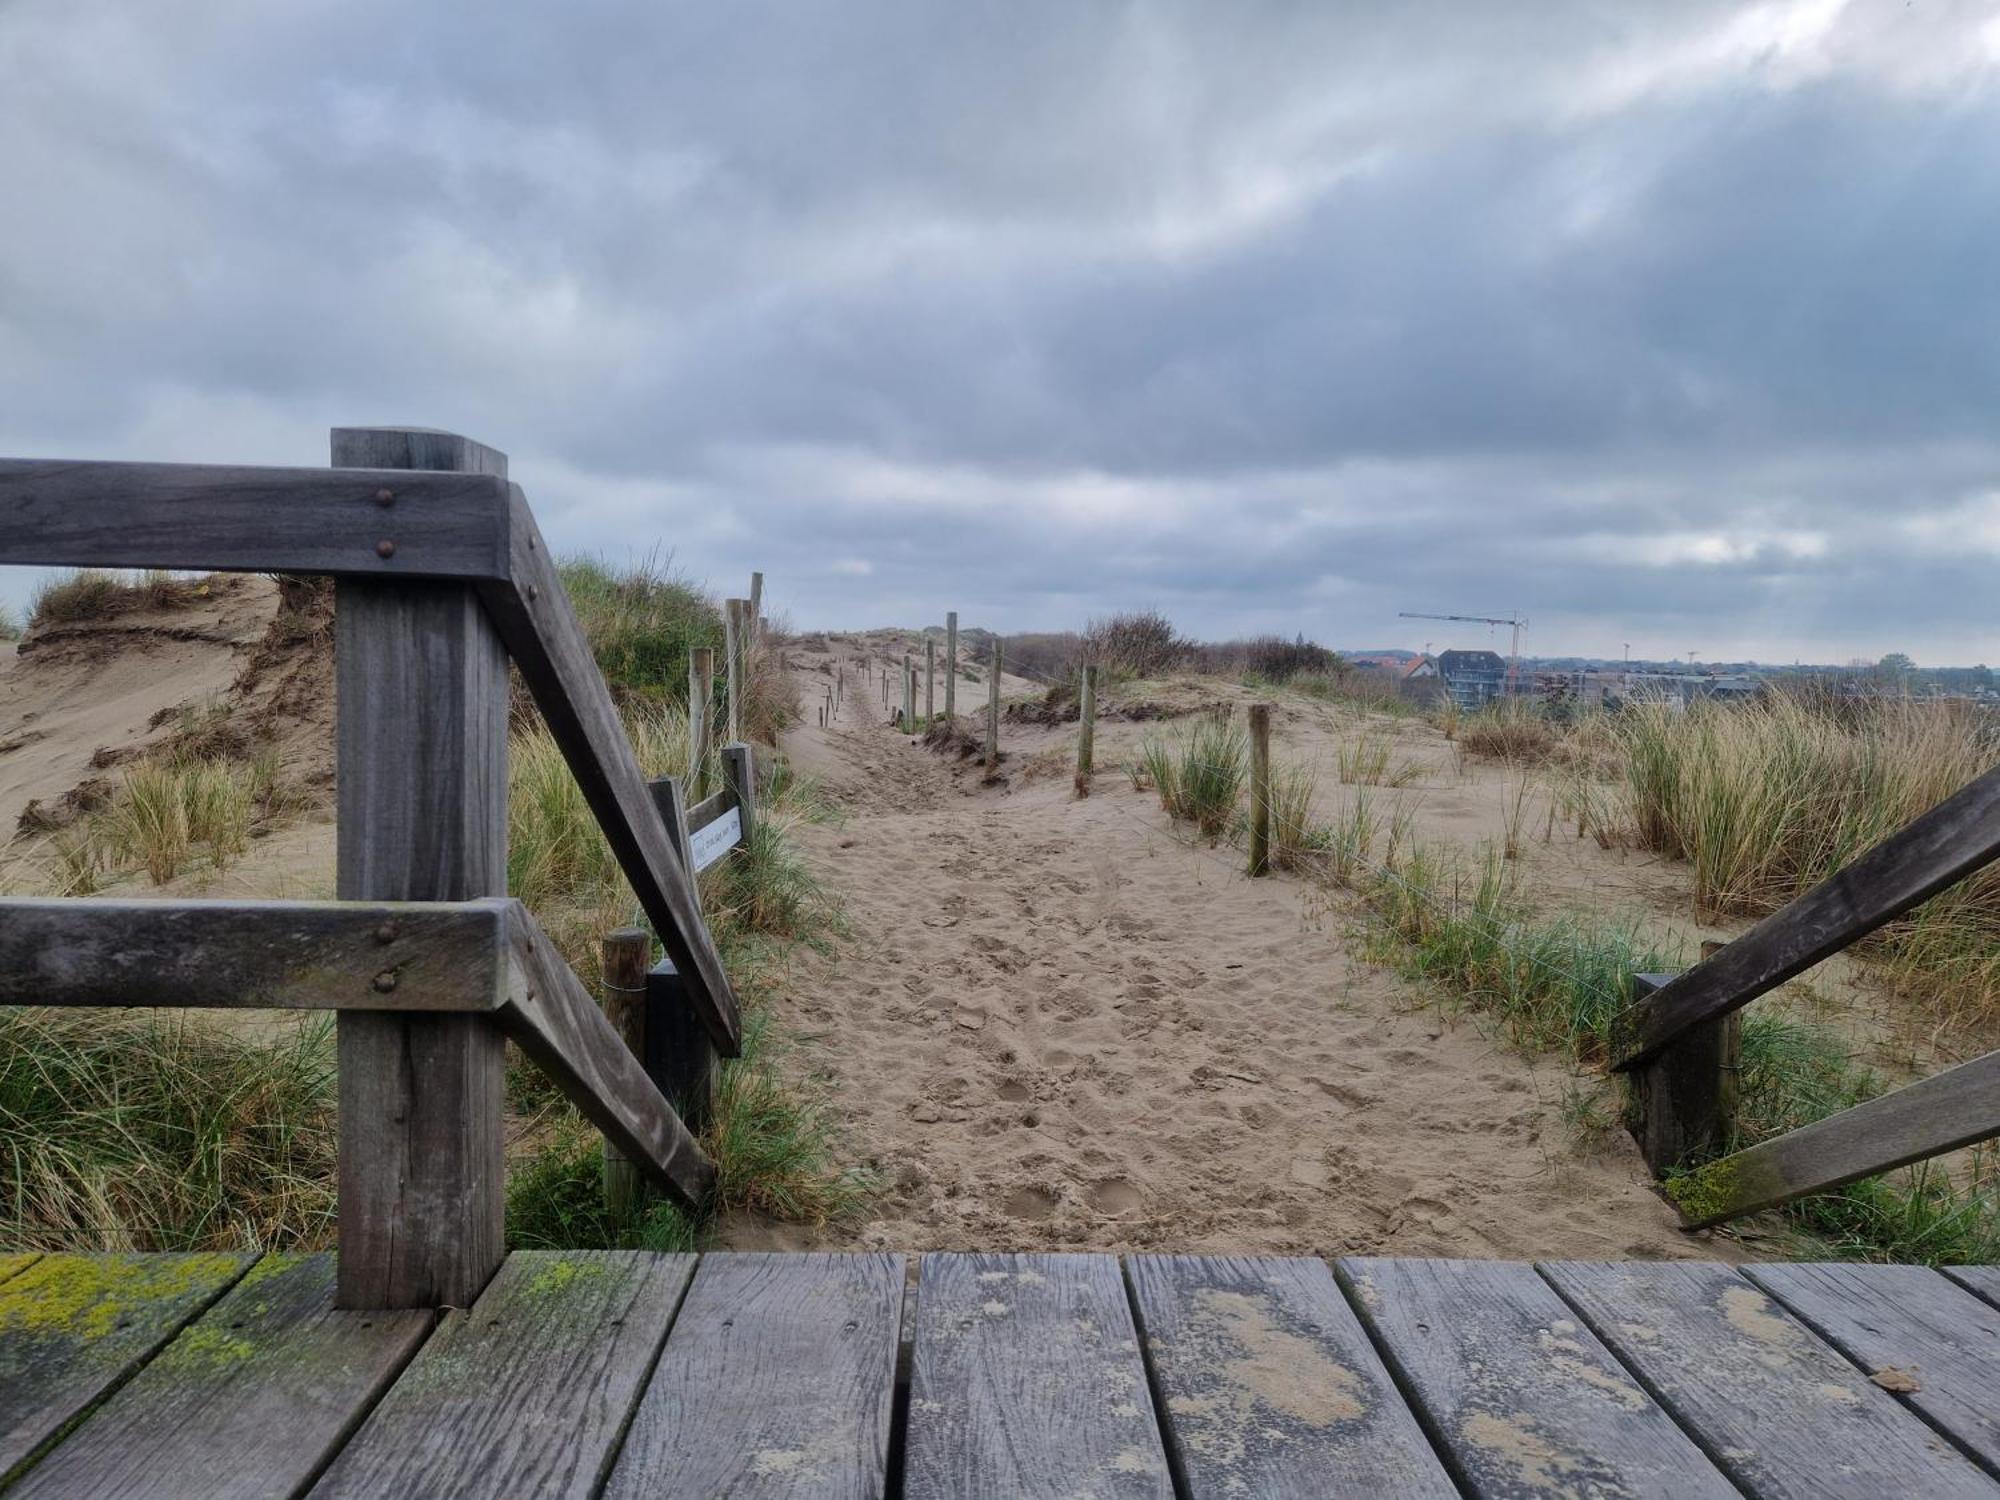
(625, 956)
(527, 1392)
(534, 617)
(252, 1399)
(670, 801)
(1934, 850)
(1027, 1381)
(1955, 1108)
(1907, 1318)
(709, 809)
(306, 955)
(1268, 1386)
(777, 1380)
(73, 1326)
(552, 1018)
(415, 448)
(258, 520)
(1781, 1412)
(1520, 1397)
(1982, 1280)
(739, 775)
(421, 770)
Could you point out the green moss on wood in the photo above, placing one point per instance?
(1707, 1191)
(89, 1296)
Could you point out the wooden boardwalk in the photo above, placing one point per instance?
(631, 1374)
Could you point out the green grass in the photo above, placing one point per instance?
(137, 1130)
(1199, 771)
(642, 622)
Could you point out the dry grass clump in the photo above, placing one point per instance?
(1199, 772)
(1508, 730)
(99, 594)
(131, 1130)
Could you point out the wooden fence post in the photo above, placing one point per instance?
(1260, 788)
(930, 679)
(909, 695)
(679, 1054)
(755, 633)
(951, 665)
(739, 770)
(626, 955)
(701, 715)
(732, 662)
(993, 709)
(1086, 730)
(421, 789)
(1683, 1102)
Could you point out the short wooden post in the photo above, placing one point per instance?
(993, 708)
(421, 789)
(951, 665)
(1683, 1102)
(679, 1054)
(1260, 788)
(1086, 730)
(930, 680)
(701, 715)
(909, 695)
(732, 663)
(739, 771)
(755, 609)
(626, 954)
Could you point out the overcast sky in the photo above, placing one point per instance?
(1676, 325)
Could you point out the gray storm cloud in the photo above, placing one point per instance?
(1677, 325)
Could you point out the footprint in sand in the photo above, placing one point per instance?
(1031, 1203)
(1113, 1196)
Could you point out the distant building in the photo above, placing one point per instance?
(1472, 678)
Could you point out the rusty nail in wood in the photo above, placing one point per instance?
(534, 591)
(385, 497)
(385, 548)
(386, 980)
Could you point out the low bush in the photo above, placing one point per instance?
(1141, 643)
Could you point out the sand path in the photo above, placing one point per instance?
(1057, 1026)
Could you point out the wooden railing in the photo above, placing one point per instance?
(1679, 1042)
(441, 578)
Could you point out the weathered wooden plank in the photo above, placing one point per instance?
(778, 1379)
(739, 773)
(1954, 1108)
(553, 1019)
(534, 616)
(526, 1393)
(1934, 850)
(1983, 1280)
(1684, 1098)
(73, 1326)
(251, 1399)
(421, 762)
(416, 448)
(1911, 1320)
(1520, 1398)
(257, 520)
(1267, 1384)
(309, 955)
(1027, 1381)
(623, 958)
(16, 1261)
(709, 809)
(1780, 1411)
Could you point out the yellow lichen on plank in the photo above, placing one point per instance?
(89, 1296)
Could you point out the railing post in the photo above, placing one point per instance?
(1086, 730)
(421, 757)
(951, 665)
(1260, 788)
(1683, 1102)
(701, 715)
(993, 710)
(679, 1055)
(732, 662)
(739, 770)
(625, 955)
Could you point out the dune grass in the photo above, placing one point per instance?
(148, 1131)
(1199, 771)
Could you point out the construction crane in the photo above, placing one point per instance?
(1513, 657)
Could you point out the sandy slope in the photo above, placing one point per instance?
(1058, 1026)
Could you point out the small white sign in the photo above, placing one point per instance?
(716, 840)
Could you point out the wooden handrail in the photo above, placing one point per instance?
(1955, 1108)
(387, 524)
(1935, 850)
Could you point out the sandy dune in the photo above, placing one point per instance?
(1059, 1026)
